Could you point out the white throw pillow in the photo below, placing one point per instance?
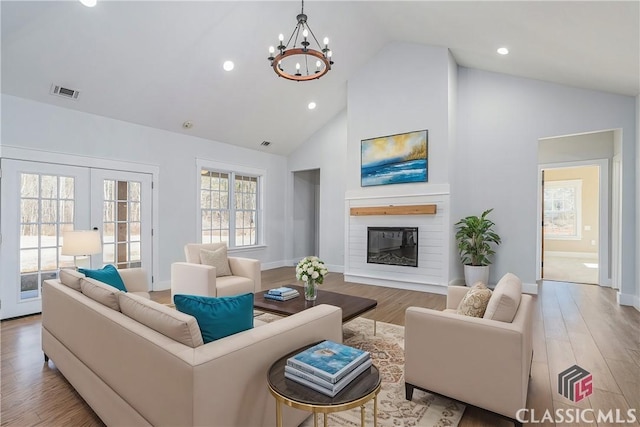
(505, 300)
(218, 259)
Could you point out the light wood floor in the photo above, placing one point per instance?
(574, 324)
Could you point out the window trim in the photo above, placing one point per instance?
(233, 170)
(577, 185)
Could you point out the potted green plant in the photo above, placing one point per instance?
(475, 236)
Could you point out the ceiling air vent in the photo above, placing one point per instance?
(265, 143)
(64, 92)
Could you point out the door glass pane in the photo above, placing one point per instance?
(121, 223)
(46, 207)
(29, 185)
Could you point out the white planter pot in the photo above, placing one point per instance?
(473, 274)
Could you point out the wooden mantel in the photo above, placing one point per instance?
(394, 210)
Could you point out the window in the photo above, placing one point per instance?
(229, 207)
(562, 209)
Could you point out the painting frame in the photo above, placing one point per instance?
(399, 158)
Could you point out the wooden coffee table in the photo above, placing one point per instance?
(351, 306)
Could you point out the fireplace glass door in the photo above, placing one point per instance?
(392, 246)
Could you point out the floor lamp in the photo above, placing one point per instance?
(83, 244)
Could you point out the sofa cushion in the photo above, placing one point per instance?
(107, 274)
(505, 300)
(104, 294)
(218, 259)
(71, 278)
(474, 303)
(218, 317)
(169, 322)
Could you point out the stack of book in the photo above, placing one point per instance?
(281, 294)
(327, 367)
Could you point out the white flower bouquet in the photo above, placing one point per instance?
(311, 268)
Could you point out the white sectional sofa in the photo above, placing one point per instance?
(131, 374)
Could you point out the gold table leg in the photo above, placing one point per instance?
(278, 413)
(326, 419)
(315, 419)
(375, 411)
(362, 416)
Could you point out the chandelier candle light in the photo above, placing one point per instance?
(311, 270)
(301, 55)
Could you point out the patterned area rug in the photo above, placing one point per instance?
(387, 351)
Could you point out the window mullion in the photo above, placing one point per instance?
(232, 210)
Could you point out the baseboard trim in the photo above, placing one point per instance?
(628, 299)
(272, 265)
(421, 287)
(530, 288)
(162, 286)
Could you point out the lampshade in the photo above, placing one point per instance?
(81, 242)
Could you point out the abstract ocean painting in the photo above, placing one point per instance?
(394, 159)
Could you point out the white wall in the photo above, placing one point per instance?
(32, 125)
(500, 120)
(325, 150)
(589, 146)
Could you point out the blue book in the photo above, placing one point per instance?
(280, 291)
(329, 360)
(281, 297)
(321, 385)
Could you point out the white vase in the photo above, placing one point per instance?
(473, 274)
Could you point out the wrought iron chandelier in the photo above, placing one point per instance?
(301, 55)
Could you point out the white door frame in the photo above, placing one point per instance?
(604, 278)
(17, 153)
(616, 221)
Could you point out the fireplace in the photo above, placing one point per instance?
(392, 246)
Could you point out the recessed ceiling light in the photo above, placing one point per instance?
(228, 65)
(312, 105)
(89, 3)
(503, 51)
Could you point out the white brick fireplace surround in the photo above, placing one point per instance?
(434, 240)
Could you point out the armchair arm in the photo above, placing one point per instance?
(247, 267)
(478, 361)
(135, 279)
(455, 295)
(193, 279)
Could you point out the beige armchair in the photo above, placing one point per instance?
(478, 361)
(194, 278)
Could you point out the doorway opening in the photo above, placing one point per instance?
(306, 213)
(571, 224)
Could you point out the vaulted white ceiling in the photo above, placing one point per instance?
(160, 63)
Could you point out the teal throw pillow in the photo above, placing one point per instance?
(218, 317)
(107, 274)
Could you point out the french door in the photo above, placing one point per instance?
(41, 200)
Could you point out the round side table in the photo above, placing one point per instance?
(362, 389)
